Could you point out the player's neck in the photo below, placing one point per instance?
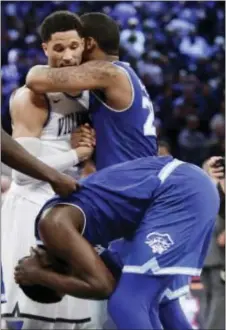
(100, 56)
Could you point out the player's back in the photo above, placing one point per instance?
(127, 134)
(115, 198)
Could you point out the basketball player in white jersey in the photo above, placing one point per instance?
(43, 125)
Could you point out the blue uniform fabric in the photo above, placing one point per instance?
(123, 135)
(174, 234)
(114, 258)
(115, 199)
(166, 210)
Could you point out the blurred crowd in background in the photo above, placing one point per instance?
(177, 49)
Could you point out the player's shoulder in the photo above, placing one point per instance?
(24, 96)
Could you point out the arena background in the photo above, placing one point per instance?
(178, 50)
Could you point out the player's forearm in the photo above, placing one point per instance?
(43, 79)
(60, 163)
(18, 158)
(73, 286)
(88, 76)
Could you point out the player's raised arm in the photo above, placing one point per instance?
(88, 76)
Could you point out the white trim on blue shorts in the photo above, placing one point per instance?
(171, 295)
(153, 266)
(168, 169)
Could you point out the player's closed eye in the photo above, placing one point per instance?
(74, 46)
(58, 49)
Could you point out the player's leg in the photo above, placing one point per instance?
(134, 304)
(170, 311)
(172, 316)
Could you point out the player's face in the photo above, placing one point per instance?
(64, 49)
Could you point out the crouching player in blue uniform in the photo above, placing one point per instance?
(164, 208)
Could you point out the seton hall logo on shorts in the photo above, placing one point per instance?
(159, 243)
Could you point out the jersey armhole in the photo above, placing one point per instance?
(133, 94)
(49, 110)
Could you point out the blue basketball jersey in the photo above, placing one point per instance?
(123, 135)
(115, 199)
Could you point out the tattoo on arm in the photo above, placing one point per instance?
(90, 73)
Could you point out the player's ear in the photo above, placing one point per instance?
(83, 43)
(44, 47)
(90, 43)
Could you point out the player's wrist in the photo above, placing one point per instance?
(83, 153)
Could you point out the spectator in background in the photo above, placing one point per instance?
(154, 39)
(133, 33)
(213, 300)
(194, 46)
(216, 143)
(192, 142)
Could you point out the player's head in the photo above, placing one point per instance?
(102, 35)
(62, 39)
(42, 294)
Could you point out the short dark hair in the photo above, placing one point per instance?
(104, 30)
(60, 21)
(43, 294)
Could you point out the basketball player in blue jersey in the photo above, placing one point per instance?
(165, 208)
(122, 112)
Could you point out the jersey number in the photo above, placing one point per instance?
(149, 128)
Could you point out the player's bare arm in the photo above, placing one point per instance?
(92, 75)
(28, 112)
(89, 278)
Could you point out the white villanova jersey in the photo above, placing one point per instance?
(65, 113)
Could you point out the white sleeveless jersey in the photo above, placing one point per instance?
(65, 113)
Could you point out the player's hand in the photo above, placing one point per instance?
(214, 171)
(63, 185)
(27, 269)
(84, 153)
(221, 239)
(44, 259)
(83, 136)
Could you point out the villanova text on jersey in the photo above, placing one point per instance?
(68, 123)
(127, 134)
